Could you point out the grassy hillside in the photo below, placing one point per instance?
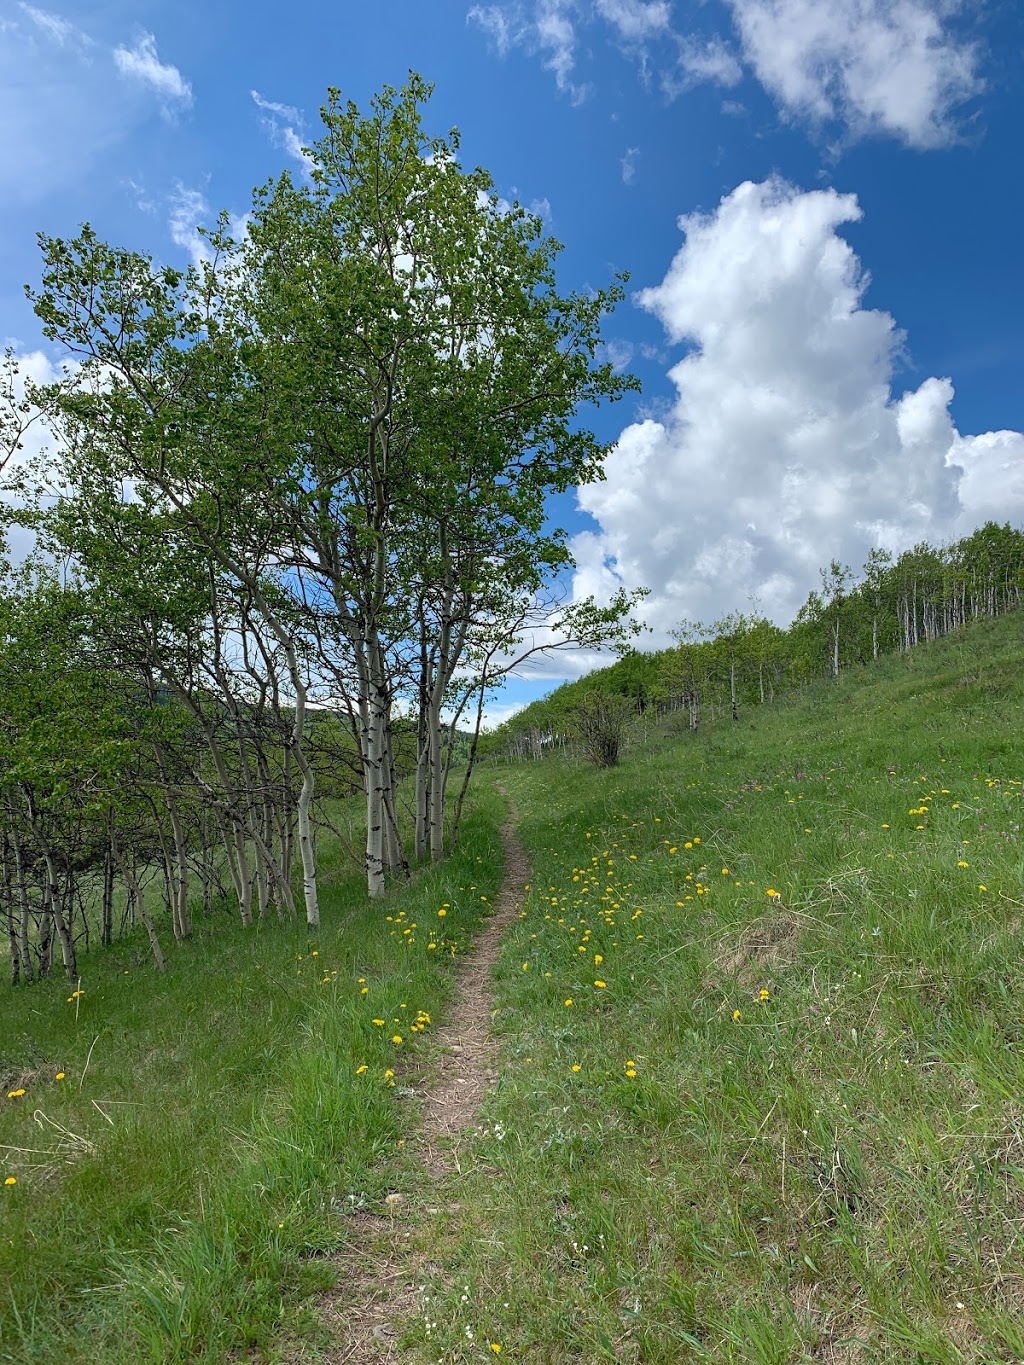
(762, 1099)
(761, 1092)
(185, 1149)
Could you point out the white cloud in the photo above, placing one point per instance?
(785, 445)
(141, 63)
(59, 111)
(880, 66)
(59, 30)
(556, 37)
(892, 67)
(496, 24)
(546, 29)
(617, 353)
(188, 211)
(708, 59)
(32, 367)
(635, 21)
(284, 123)
(628, 163)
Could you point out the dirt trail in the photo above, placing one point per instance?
(379, 1270)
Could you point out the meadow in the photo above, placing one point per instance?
(764, 1049)
(761, 1068)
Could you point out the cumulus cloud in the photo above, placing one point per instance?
(141, 63)
(785, 446)
(879, 66)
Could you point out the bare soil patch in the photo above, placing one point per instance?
(379, 1272)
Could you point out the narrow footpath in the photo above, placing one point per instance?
(379, 1270)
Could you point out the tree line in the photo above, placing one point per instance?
(291, 530)
(744, 660)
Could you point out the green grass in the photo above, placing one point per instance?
(834, 1175)
(216, 1127)
(834, 1172)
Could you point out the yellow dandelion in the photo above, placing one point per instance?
(15, 1094)
(360, 1069)
(737, 1014)
(526, 966)
(771, 893)
(441, 913)
(396, 1038)
(981, 887)
(631, 1073)
(11, 1180)
(575, 1066)
(602, 984)
(763, 993)
(598, 959)
(495, 1348)
(570, 1001)
(59, 1076)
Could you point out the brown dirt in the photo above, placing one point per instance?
(379, 1271)
(769, 943)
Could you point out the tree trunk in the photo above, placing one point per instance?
(25, 908)
(137, 899)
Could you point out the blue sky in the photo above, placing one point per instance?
(830, 341)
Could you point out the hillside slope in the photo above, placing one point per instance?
(762, 1063)
(762, 1098)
